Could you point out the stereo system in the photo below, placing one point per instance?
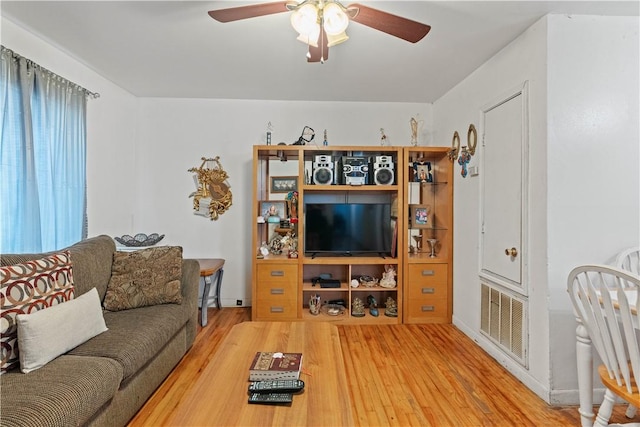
(323, 170)
(353, 170)
(383, 170)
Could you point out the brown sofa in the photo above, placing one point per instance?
(106, 380)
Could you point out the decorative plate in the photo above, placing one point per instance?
(139, 239)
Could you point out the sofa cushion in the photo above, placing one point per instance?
(145, 277)
(46, 334)
(91, 260)
(66, 392)
(28, 287)
(135, 336)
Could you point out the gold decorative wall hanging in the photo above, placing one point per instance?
(455, 146)
(213, 195)
(472, 139)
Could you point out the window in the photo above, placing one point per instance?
(42, 157)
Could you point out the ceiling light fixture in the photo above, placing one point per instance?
(311, 16)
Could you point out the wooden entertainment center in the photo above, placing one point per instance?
(416, 183)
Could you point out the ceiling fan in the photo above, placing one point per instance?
(322, 24)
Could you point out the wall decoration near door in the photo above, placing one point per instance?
(213, 196)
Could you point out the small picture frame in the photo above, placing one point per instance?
(273, 209)
(284, 184)
(420, 216)
(422, 172)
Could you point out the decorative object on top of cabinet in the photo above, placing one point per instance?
(213, 196)
(325, 142)
(306, 136)
(416, 126)
(420, 216)
(422, 172)
(284, 184)
(472, 139)
(455, 146)
(383, 137)
(269, 131)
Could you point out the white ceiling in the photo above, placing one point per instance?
(174, 49)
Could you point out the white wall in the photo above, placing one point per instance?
(111, 121)
(173, 134)
(139, 151)
(521, 61)
(593, 198)
(582, 74)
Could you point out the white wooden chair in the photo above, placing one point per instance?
(605, 300)
(629, 260)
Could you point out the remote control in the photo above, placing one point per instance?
(276, 386)
(271, 398)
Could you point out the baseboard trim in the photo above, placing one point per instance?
(507, 362)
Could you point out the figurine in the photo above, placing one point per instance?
(373, 305)
(383, 137)
(357, 308)
(314, 304)
(391, 308)
(388, 277)
(269, 130)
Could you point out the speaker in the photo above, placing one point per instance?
(323, 170)
(355, 170)
(383, 170)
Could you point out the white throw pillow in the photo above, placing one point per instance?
(46, 334)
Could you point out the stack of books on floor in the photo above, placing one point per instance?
(275, 378)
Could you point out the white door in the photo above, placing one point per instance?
(502, 196)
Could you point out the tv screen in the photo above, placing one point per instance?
(347, 228)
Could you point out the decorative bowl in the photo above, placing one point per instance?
(333, 309)
(139, 239)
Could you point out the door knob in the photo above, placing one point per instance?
(513, 252)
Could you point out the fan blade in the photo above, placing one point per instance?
(250, 11)
(397, 26)
(320, 53)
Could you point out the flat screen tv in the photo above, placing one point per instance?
(347, 229)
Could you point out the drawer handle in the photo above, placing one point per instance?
(277, 291)
(277, 273)
(428, 308)
(428, 272)
(428, 290)
(277, 310)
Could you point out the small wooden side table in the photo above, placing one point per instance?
(208, 268)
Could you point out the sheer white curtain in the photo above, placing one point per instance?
(42, 158)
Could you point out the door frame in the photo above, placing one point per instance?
(522, 288)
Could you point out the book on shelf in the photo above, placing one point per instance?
(275, 366)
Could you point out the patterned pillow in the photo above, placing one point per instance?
(28, 287)
(145, 277)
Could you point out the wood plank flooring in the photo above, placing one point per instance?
(399, 375)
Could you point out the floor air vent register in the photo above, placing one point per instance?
(503, 322)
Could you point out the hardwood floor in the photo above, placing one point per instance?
(400, 375)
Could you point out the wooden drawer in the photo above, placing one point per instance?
(427, 294)
(277, 291)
